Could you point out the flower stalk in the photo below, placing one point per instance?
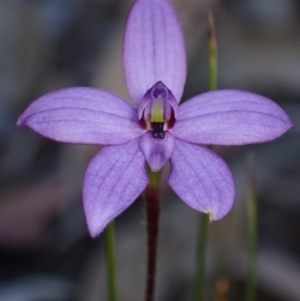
(110, 262)
(252, 231)
(152, 196)
(204, 218)
(212, 54)
(201, 256)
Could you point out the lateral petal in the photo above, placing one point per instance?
(114, 179)
(82, 115)
(153, 49)
(157, 151)
(201, 179)
(230, 117)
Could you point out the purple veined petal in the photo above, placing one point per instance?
(157, 151)
(114, 179)
(230, 117)
(82, 115)
(153, 49)
(201, 179)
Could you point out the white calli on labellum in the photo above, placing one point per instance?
(157, 129)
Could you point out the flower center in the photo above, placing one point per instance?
(158, 110)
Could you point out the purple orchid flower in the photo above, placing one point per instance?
(156, 130)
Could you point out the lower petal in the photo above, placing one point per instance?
(201, 179)
(114, 179)
(157, 151)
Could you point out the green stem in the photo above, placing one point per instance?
(204, 218)
(200, 257)
(212, 55)
(152, 196)
(110, 262)
(252, 232)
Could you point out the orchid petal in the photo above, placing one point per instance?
(153, 49)
(114, 179)
(83, 115)
(157, 151)
(201, 179)
(230, 117)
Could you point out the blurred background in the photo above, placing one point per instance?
(45, 251)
